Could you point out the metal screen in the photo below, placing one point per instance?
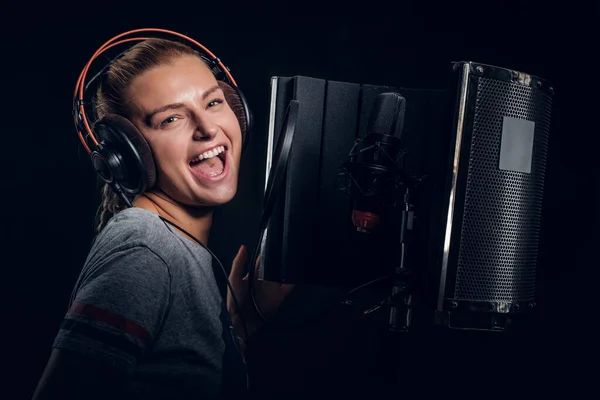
(502, 209)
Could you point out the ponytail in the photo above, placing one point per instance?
(109, 206)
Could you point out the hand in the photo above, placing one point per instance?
(268, 295)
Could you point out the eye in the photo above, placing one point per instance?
(169, 120)
(215, 102)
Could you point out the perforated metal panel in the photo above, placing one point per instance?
(502, 209)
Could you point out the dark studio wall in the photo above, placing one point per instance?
(49, 197)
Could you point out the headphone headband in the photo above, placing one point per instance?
(81, 121)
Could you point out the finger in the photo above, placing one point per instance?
(257, 263)
(237, 269)
(286, 288)
(256, 267)
(255, 273)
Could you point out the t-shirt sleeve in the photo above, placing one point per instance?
(118, 308)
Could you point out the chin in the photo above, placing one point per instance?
(200, 197)
(215, 198)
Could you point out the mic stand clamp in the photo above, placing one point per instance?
(401, 300)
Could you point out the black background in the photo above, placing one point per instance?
(49, 198)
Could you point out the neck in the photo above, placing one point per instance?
(196, 221)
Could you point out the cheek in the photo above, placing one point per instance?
(168, 155)
(234, 135)
(230, 125)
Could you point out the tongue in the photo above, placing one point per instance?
(212, 166)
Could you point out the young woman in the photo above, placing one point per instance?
(146, 318)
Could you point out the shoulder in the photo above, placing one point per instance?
(124, 260)
(133, 236)
(136, 230)
(134, 223)
(139, 239)
(134, 227)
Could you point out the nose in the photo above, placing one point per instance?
(206, 128)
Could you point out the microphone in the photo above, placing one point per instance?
(373, 162)
(376, 179)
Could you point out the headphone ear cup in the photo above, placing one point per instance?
(236, 100)
(125, 157)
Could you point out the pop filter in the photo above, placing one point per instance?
(276, 180)
(280, 162)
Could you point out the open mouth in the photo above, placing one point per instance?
(210, 163)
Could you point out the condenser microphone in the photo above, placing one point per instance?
(373, 166)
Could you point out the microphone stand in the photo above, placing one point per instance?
(401, 300)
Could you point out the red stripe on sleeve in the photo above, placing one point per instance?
(111, 319)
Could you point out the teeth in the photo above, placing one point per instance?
(209, 154)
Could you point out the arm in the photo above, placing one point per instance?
(69, 375)
(115, 315)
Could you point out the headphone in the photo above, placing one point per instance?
(119, 152)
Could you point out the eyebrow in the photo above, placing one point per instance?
(174, 106)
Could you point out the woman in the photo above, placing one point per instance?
(146, 318)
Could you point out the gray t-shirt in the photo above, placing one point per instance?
(147, 302)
